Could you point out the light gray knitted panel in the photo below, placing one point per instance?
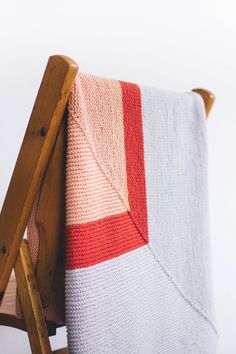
(129, 305)
(174, 127)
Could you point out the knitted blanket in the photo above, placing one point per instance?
(137, 264)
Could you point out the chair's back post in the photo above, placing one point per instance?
(32, 160)
(207, 97)
(50, 221)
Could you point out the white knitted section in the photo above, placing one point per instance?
(174, 127)
(129, 305)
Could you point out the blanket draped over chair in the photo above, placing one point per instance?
(137, 262)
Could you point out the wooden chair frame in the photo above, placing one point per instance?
(40, 172)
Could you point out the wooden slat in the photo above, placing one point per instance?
(10, 320)
(207, 97)
(32, 159)
(30, 302)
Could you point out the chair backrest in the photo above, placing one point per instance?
(50, 219)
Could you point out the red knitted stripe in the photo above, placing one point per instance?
(134, 149)
(97, 241)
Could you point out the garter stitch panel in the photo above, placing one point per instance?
(137, 267)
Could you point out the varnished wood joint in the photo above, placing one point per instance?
(4, 250)
(43, 131)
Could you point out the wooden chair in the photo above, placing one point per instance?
(40, 171)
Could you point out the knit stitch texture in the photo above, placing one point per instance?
(137, 253)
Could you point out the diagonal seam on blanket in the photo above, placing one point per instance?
(156, 257)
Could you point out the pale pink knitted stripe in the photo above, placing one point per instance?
(89, 196)
(99, 114)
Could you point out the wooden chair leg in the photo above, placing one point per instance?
(30, 302)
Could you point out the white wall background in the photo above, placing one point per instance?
(170, 44)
